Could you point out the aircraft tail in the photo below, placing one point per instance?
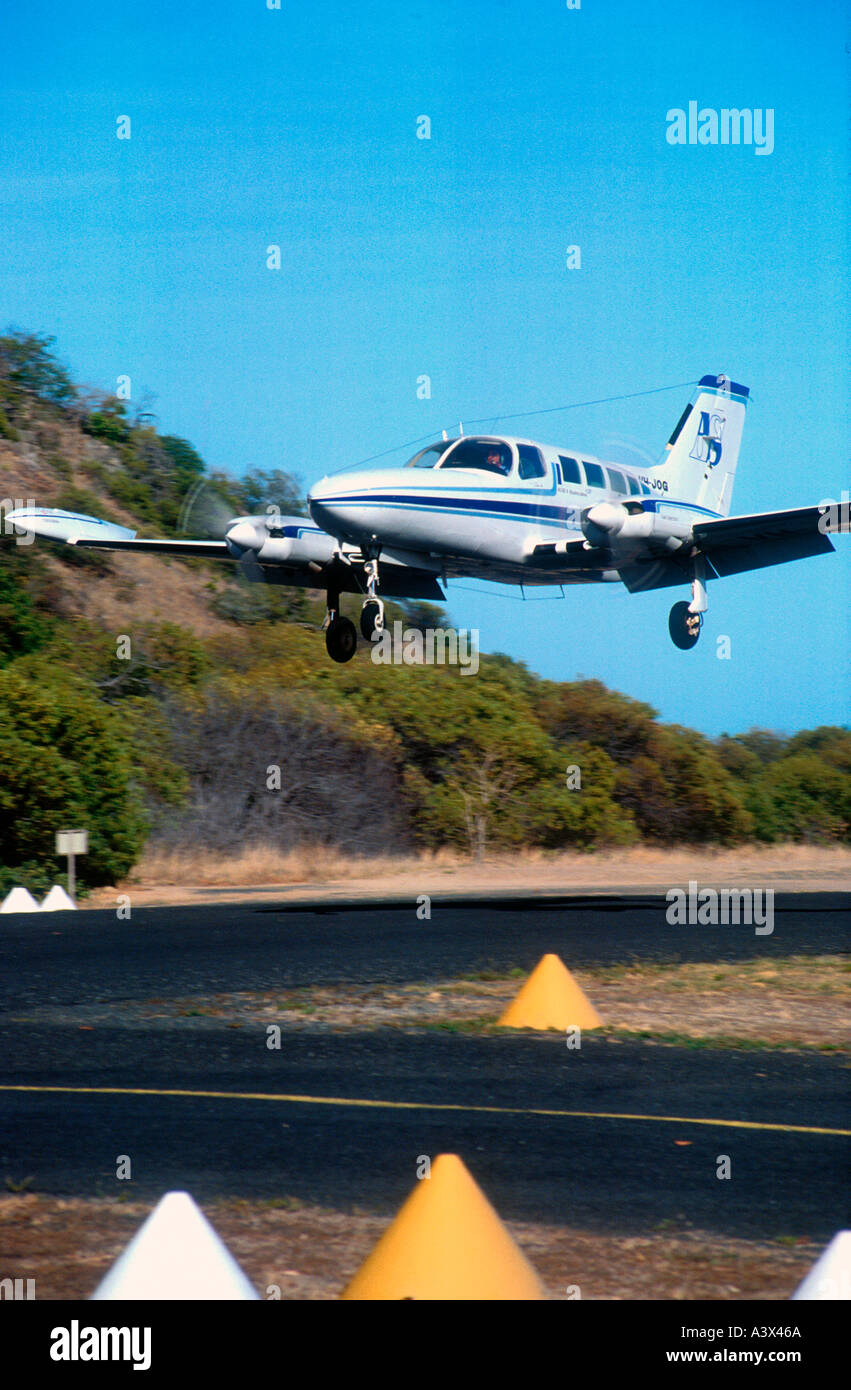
(699, 463)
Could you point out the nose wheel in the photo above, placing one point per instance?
(684, 626)
(372, 613)
(372, 619)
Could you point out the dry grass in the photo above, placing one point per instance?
(164, 876)
(265, 864)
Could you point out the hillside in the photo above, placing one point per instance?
(167, 702)
(87, 452)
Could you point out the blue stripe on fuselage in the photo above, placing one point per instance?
(510, 511)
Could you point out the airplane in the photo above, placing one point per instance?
(508, 510)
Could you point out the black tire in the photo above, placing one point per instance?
(682, 627)
(371, 619)
(341, 639)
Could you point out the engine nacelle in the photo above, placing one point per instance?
(298, 542)
(611, 524)
(287, 540)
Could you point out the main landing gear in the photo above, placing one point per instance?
(341, 638)
(686, 619)
(684, 626)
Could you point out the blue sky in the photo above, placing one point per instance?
(401, 256)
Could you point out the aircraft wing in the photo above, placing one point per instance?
(732, 545)
(307, 557)
(210, 550)
(93, 534)
(738, 543)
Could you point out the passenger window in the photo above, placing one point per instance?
(617, 481)
(594, 474)
(531, 463)
(635, 490)
(570, 469)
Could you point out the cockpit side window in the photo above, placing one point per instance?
(428, 457)
(531, 463)
(491, 455)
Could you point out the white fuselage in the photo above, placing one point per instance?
(488, 521)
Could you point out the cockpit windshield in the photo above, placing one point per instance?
(428, 457)
(493, 455)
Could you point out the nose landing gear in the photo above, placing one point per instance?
(372, 619)
(372, 613)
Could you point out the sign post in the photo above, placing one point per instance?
(72, 843)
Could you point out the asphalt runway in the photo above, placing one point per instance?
(619, 1136)
(172, 951)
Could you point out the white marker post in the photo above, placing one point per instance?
(72, 843)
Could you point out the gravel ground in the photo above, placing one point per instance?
(311, 1252)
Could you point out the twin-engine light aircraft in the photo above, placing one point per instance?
(508, 510)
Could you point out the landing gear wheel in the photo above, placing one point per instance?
(372, 619)
(684, 626)
(341, 639)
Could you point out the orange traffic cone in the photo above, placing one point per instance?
(446, 1243)
(551, 998)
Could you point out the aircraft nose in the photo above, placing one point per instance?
(315, 499)
(325, 504)
(320, 489)
(351, 506)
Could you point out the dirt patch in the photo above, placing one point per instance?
(797, 1002)
(67, 1246)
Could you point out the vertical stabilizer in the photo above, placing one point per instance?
(699, 463)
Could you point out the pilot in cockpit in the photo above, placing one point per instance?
(499, 462)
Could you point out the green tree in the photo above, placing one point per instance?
(258, 490)
(65, 763)
(188, 464)
(22, 628)
(679, 792)
(805, 798)
(109, 422)
(27, 363)
(671, 781)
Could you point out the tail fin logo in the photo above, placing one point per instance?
(707, 446)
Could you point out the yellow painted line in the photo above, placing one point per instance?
(360, 1103)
